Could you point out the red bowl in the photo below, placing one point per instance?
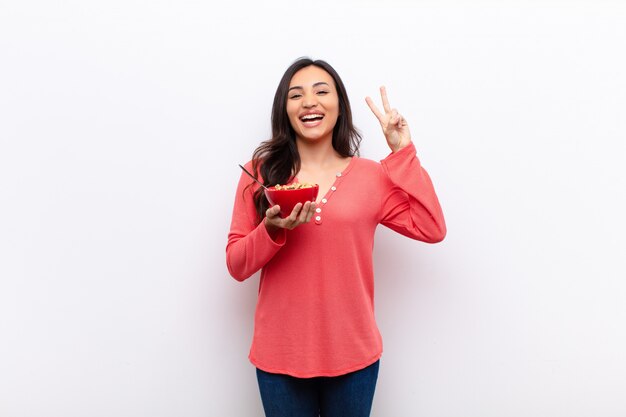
(287, 199)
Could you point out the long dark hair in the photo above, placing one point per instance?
(277, 160)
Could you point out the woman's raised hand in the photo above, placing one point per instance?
(394, 126)
(301, 213)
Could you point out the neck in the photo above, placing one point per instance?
(316, 153)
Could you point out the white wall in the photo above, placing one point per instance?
(121, 127)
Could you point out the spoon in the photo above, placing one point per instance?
(252, 176)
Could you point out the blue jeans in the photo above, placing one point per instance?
(348, 395)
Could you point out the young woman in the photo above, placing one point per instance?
(316, 345)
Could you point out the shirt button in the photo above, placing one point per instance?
(318, 218)
(339, 174)
(318, 210)
(333, 188)
(324, 201)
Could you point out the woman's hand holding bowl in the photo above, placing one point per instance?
(301, 213)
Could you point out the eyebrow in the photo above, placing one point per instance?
(314, 85)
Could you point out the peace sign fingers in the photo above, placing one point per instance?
(383, 96)
(393, 124)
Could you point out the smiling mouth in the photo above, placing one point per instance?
(311, 118)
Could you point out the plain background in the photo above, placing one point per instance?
(121, 127)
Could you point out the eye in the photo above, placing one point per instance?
(294, 96)
(322, 92)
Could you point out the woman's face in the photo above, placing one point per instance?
(312, 104)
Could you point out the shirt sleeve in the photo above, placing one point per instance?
(410, 205)
(249, 245)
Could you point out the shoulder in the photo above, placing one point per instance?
(248, 165)
(245, 182)
(365, 165)
(365, 172)
(254, 168)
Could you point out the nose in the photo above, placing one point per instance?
(309, 100)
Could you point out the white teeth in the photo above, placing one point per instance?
(311, 116)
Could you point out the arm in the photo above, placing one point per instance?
(249, 246)
(410, 207)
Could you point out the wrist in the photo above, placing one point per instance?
(271, 229)
(400, 146)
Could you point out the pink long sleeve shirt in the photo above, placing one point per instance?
(315, 309)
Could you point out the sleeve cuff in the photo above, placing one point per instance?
(403, 158)
(402, 153)
(281, 236)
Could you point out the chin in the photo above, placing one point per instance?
(315, 135)
(314, 138)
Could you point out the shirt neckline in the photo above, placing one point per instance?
(322, 202)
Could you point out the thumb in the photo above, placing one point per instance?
(272, 211)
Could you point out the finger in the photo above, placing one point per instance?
(311, 212)
(272, 211)
(304, 212)
(374, 109)
(291, 221)
(395, 118)
(294, 213)
(383, 95)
